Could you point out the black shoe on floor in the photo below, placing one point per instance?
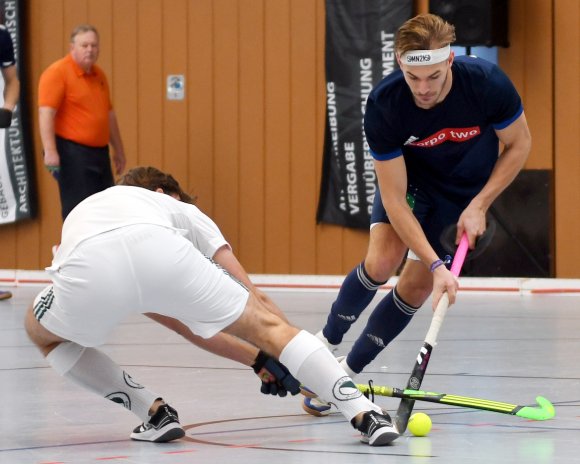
(163, 426)
(377, 429)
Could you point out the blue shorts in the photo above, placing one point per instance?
(434, 211)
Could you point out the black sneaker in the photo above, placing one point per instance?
(377, 429)
(162, 426)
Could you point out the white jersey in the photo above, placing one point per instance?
(130, 250)
(122, 206)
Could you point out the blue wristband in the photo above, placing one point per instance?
(436, 264)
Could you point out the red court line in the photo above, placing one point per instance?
(111, 458)
(555, 290)
(311, 286)
(337, 286)
(384, 287)
(180, 452)
(490, 289)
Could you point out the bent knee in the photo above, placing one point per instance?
(414, 291)
(263, 328)
(45, 340)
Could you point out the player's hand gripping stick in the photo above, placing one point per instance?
(414, 383)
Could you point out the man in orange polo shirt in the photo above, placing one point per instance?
(77, 122)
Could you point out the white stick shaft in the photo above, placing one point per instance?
(437, 320)
(443, 304)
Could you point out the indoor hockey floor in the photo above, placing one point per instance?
(507, 347)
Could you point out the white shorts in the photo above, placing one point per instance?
(137, 269)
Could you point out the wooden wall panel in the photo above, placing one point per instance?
(303, 159)
(123, 79)
(200, 91)
(252, 154)
(248, 137)
(174, 125)
(226, 123)
(53, 44)
(528, 62)
(277, 137)
(149, 79)
(567, 123)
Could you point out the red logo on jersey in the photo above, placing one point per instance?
(452, 135)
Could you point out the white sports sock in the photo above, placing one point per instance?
(309, 361)
(347, 368)
(95, 371)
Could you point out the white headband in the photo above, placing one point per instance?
(426, 57)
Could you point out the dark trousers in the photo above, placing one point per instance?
(84, 171)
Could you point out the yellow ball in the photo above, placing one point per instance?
(419, 424)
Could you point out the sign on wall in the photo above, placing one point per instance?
(16, 159)
(359, 53)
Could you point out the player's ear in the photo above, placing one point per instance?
(398, 55)
(451, 57)
(159, 190)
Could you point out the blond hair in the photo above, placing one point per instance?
(424, 32)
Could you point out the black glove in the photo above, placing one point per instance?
(5, 118)
(284, 381)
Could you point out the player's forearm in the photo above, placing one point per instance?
(46, 126)
(392, 176)
(518, 144)
(509, 164)
(11, 95)
(11, 88)
(226, 346)
(222, 344)
(410, 232)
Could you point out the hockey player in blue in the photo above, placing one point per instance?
(434, 128)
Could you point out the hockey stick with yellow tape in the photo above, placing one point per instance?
(544, 409)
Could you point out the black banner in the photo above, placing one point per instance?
(359, 53)
(16, 158)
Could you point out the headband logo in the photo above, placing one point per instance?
(426, 57)
(417, 58)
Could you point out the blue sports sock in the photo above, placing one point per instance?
(387, 321)
(355, 294)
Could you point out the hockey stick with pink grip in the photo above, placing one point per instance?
(406, 406)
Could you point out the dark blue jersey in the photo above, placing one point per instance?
(6, 49)
(451, 147)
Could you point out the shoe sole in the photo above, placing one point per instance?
(173, 433)
(315, 412)
(307, 393)
(385, 438)
(170, 435)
